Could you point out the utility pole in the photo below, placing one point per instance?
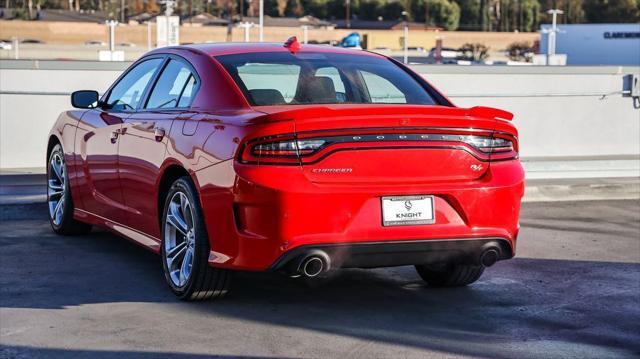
(348, 13)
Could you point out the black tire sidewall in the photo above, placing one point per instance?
(201, 250)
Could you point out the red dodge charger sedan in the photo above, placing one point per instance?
(285, 157)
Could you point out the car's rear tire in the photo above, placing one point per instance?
(450, 275)
(59, 201)
(185, 247)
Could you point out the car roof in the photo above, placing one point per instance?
(231, 48)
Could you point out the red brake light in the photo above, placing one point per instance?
(292, 150)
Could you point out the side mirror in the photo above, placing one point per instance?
(85, 99)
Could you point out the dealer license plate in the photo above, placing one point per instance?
(408, 210)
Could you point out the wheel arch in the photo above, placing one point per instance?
(170, 173)
(51, 143)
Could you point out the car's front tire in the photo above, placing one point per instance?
(450, 275)
(59, 201)
(185, 247)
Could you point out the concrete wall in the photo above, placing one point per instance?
(563, 113)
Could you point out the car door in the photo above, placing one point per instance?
(143, 144)
(97, 141)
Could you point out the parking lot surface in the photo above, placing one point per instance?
(572, 291)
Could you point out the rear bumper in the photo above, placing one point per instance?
(397, 253)
(273, 213)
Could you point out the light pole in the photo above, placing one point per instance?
(112, 34)
(551, 49)
(305, 34)
(406, 38)
(261, 21)
(148, 35)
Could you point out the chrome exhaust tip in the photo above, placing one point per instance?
(309, 265)
(312, 267)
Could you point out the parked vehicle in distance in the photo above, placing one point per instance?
(5, 45)
(299, 159)
(32, 41)
(416, 48)
(95, 43)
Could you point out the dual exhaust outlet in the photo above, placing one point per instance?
(316, 262)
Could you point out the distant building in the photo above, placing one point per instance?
(596, 44)
(309, 21)
(356, 24)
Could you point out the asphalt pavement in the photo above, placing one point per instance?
(572, 291)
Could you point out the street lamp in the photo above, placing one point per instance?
(261, 21)
(551, 50)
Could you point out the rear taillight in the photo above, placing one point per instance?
(490, 144)
(282, 151)
(290, 150)
(287, 148)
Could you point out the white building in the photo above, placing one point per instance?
(595, 44)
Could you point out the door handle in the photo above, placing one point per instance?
(159, 133)
(114, 136)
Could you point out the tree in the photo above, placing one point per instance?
(470, 14)
(317, 8)
(520, 51)
(282, 7)
(616, 11)
(573, 10)
(529, 18)
(370, 9)
(442, 13)
(474, 52)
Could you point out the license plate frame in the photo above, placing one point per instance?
(390, 207)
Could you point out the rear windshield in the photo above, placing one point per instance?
(282, 78)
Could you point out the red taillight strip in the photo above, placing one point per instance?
(433, 138)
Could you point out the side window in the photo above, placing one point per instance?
(188, 93)
(174, 87)
(127, 93)
(334, 75)
(382, 90)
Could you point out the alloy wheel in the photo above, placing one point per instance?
(56, 188)
(179, 239)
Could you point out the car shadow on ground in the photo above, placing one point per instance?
(578, 306)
